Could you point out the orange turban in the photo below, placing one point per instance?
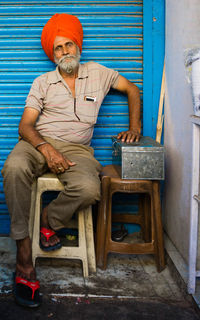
(63, 25)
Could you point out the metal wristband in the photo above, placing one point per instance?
(40, 144)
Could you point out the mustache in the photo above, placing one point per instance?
(67, 56)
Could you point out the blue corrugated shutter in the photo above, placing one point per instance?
(112, 36)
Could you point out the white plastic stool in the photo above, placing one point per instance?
(85, 250)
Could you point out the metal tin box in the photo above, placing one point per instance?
(139, 160)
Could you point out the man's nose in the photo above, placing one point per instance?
(65, 50)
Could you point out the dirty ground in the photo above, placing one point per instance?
(97, 309)
(130, 288)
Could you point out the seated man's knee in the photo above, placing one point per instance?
(15, 167)
(90, 190)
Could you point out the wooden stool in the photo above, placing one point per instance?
(85, 250)
(149, 215)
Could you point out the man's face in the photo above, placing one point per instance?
(66, 54)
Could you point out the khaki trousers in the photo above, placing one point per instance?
(25, 163)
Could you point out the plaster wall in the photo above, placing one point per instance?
(182, 32)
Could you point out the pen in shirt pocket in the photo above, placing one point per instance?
(90, 98)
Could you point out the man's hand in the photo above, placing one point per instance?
(57, 163)
(129, 136)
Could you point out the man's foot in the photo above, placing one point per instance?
(26, 292)
(48, 234)
(25, 285)
(48, 238)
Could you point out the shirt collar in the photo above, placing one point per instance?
(55, 76)
(82, 71)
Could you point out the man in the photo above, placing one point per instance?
(56, 129)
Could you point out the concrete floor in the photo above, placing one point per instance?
(130, 288)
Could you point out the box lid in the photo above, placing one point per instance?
(145, 144)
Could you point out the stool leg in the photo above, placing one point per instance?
(141, 214)
(147, 218)
(102, 221)
(82, 241)
(108, 232)
(158, 227)
(32, 209)
(90, 239)
(36, 228)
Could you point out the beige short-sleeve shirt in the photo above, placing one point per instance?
(63, 117)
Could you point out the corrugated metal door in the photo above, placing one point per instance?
(113, 36)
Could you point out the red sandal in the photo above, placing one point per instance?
(26, 292)
(48, 233)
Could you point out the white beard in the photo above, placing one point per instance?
(68, 63)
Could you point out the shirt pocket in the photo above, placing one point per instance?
(87, 111)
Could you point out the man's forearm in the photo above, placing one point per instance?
(134, 108)
(30, 134)
(132, 91)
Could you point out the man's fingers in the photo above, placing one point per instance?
(137, 138)
(129, 136)
(64, 165)
(123, 137)
(53, 170)
(68, 163)
(60, 169)
(71, 163)
(119, 135)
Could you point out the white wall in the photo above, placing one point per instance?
(182, 32)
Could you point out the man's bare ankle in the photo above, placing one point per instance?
(44, 219)
(26, 272)
(24, 264)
